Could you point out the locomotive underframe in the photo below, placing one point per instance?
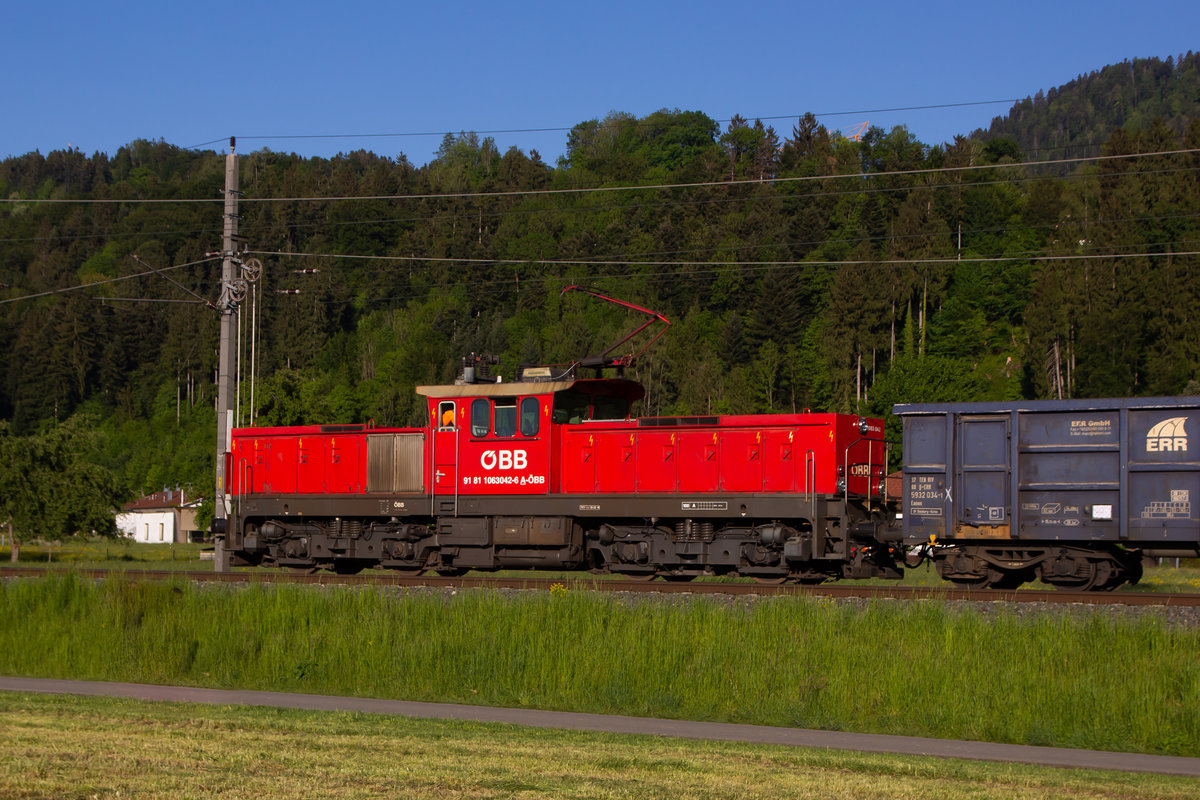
(806, 538)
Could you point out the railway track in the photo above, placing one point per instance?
(738, 588)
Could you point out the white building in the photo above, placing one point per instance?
(166, 516)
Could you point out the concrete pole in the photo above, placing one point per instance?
(228, 306)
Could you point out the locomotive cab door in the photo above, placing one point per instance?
(445, 453)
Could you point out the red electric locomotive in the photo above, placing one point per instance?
(552, 471)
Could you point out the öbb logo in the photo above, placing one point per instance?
(503, 459)
(1167, 436)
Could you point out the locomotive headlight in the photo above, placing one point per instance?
(841, 484)
(862, 425)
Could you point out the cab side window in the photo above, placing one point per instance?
(611, 407)
(480, 418)
(570, 407)
(529, 416)
(446, 415)
(506, 416)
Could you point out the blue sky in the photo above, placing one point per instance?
(97, 75)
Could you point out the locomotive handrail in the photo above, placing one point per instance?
(810, 482)
(870, 469)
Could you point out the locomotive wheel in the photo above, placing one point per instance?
(640, 577)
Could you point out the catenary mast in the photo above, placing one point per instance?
(232, 291)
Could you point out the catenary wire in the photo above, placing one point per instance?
(714, 269)
(627, 188)
(567, 129)
(512, 212)
(66, 289)
(775, 263)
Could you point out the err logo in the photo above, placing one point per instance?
(1167, 436)
(503, 459)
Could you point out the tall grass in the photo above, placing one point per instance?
(923, 669)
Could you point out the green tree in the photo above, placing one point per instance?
(52, 489)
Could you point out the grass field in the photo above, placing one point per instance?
(115, 553)
(1074, 679)
(77, 747)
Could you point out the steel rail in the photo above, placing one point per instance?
(589, 583)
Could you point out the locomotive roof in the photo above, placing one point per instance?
(622, 386)
(495, 389)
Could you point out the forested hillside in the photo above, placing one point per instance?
(1077, 118)
(800, 269)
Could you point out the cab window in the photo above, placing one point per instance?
(610, 407)
(570, 406)
(529, 416)
(446, 415)
(480, 417)
(506, 416)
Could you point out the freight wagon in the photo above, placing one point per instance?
(1071, 492)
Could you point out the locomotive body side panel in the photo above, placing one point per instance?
(699, 462)
(614, 457)
(782, 454)
(311, 464)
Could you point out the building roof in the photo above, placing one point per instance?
(166, 499)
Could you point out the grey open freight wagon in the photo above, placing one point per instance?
(1070, 492)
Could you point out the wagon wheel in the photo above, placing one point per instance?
(1003, 579)
(1083, 579)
